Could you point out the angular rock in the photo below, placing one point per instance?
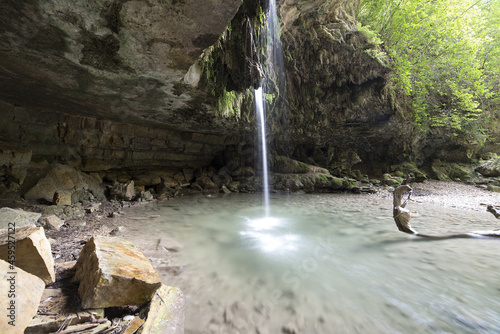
(491, 168)
(113, 272)
(19, 306)
(51, 222)
(170, 244)
(17, 217)
(62, 198)
(123, 191)
(75, 211)
(32, 252)
(281, 164)
(166, 312)
(64, 178)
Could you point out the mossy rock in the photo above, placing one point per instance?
(410, 168)
(284, 165)
(490, 169)
(446, 171)
(493, 188)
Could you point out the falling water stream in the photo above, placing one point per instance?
(269, 40)
(259, 102)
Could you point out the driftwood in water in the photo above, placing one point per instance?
(494, 210)
(402, 218)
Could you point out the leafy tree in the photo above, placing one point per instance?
(445, 55)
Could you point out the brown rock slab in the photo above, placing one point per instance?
(32, 251)
(166, 312)
(21, 293)
(113, 272)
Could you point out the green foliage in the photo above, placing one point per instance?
(446, 57)
(229, 104)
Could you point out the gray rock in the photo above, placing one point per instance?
(123, 191)
(490, 169)
(166, 312)
(51, 222)
(75, 211)
(64, 178)
(17, 218)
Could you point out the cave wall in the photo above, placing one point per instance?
(108, 85)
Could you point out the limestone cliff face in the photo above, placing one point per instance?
(338, 101)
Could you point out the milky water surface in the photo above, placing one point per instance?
(326, 264)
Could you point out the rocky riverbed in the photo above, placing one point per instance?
(108, 218)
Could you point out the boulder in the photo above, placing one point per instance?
(21, 294)
(62, 197)
(75, 211)
(284, 165)
(123, 191)
(491, 168)
(51, 222)
(64, 178)
(14, 163)
(113, 272)
(446, 171)
(32, 251)
(17, 218)
(166, 312)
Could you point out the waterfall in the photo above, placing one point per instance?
(271, 85)
(259, 105)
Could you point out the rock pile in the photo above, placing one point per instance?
(110, 274)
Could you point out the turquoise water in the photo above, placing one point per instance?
(325, 264)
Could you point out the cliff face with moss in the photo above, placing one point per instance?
(339, 100)
(129, 87)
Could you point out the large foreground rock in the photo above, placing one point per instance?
(166, 312)
(17, 218)
(113, 272)
(32, 251)
(21, 293)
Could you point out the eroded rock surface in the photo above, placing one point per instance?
(113, 272)
(21, 307)
(16, 218)
(32, 252)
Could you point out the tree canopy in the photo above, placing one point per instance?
(445, 55)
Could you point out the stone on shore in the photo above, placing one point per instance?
(32, 252)
(17, 217)
(490, 169)
(64, 178)
(18, 310)
(51, 222)
(166, 312)
(123, 191)
(113, 272)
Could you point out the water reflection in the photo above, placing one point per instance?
(269, 234)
